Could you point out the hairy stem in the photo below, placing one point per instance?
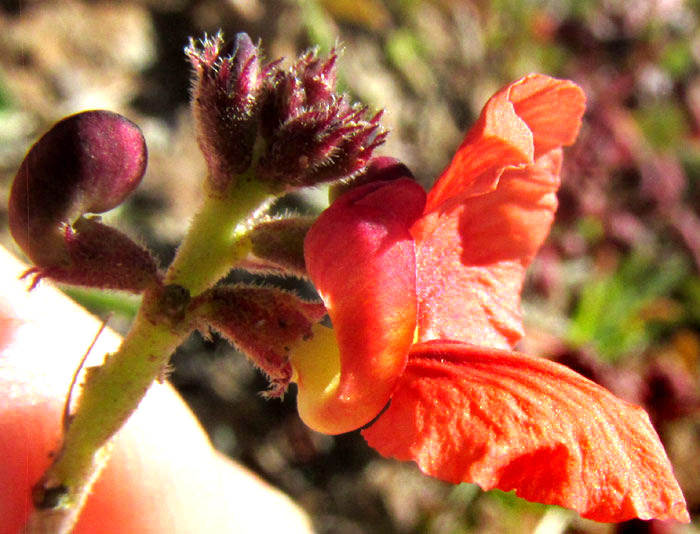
(110, 394)
(217, 238)
(216, 241)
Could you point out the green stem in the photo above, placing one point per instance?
(110, 394)
(113, 391)
(216, 241)
(217, 238)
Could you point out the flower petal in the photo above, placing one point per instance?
(551, 108)
(521, 122)
(361, 258)
(510, 421)
(471, 260)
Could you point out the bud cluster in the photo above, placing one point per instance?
(312, 134)
(283, 127)
(289, 123)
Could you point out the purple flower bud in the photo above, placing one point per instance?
(352, 152)
(86, 163)
(320, 145)
(312, 134)
(225, 103)
(319, 79)
(281, 99)
(263, 323)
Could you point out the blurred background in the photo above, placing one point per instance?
(614, 293)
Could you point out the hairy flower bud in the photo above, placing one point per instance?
(100, 256)
(87, 163)
(312, 134)
(290, 124)
(225, 91)
(319, 79)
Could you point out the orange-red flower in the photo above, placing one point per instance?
(423, 292)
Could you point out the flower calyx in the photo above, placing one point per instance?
(278, 246)
(225, 103)
(263, 323)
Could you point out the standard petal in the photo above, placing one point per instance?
(521, 122)
(510, 421)
(361, 258)
(471, 259)
(551, 108)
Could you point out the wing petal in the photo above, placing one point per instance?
(471, 260)
(510, 421)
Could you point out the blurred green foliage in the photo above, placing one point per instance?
(103, 303)
(6, 100)
(614, 312)
(663, 124)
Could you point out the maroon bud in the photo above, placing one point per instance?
(282, 99)
(87, 163)
(278, 246)
(320, 146)
(225, 104)
(313, 135)
(263, 323)
(100, 256)
(352, 153)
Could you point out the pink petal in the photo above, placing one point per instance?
(472, 258)
(510, 421)
(361, 258)
(521, 122)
